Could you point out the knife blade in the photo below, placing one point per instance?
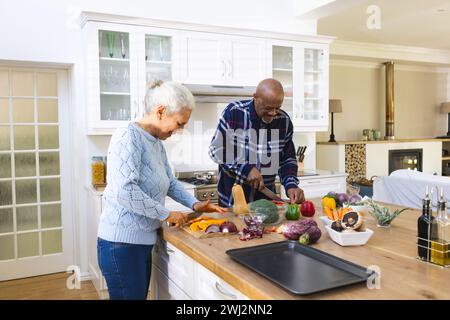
(194, 215)
(272, 195)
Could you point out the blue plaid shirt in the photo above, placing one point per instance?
(243, 141)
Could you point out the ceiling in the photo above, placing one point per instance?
(418, 23)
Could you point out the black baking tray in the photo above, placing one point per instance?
(298, 268)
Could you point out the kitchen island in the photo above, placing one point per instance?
(393, 250)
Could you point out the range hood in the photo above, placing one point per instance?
(220, 93)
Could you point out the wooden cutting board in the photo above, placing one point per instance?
(202, 235)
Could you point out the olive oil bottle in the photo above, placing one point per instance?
(424, 224)
(441, 239)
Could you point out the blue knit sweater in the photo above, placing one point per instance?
(139, 178)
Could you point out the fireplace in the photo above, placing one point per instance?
(405, 159)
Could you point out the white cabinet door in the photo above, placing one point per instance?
(302, 69)
(313, 108)
(208, 286)
(203, 58)
(111, 75)
(158, 58)
(95, 210)
(177, 266)
(222, 60)
(285, 65)
(246, 63)
(164, 288)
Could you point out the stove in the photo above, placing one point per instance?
(205, 183)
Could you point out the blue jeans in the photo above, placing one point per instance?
(126, 268)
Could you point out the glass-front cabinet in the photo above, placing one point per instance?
(121, 61)
(303, 72)
(114, 74)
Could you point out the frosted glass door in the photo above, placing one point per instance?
(30, 172)
(114, 55)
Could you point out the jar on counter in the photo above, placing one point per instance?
(98, 168)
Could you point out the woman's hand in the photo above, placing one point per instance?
(207, 206)
(177, 218)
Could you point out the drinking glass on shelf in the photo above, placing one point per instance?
(122, 45)
(110, 37)
(155, 48)
(100, 38)
(125, 78)
(165, 49)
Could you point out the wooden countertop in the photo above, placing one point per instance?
(381, 141)
(394, 250)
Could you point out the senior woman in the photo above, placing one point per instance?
(139, 179)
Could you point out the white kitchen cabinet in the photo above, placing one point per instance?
(320, 185)
(302, 69)
(93, 218)
(120, 61)
(222, 60)
(163, 288)
(177, 266)
(208, 286)
(186, 278)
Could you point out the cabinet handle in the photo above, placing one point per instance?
(224, 68)
(313, 182)
(169, 250)
(230, 70)
(222, 291)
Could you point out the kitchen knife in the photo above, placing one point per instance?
(194, 215)
(269, 193)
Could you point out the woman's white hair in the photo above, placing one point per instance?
(173, 95)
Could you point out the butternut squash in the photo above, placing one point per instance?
(239, 203)
(204, 223)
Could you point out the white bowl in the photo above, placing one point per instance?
(349, 238)
(326, 221)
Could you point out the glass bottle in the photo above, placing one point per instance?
(441, 238)
(424, 224)
(98, 171)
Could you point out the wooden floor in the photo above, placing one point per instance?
(48, 287)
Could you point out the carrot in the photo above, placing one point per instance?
(335, 214)
(329, 212)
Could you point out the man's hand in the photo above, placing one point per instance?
(207, 206)
(177, 218)
(255, 179)
(295, 195)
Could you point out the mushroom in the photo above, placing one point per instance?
(352, 220)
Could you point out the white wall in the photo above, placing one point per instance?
(418, 92)
(47, 31)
